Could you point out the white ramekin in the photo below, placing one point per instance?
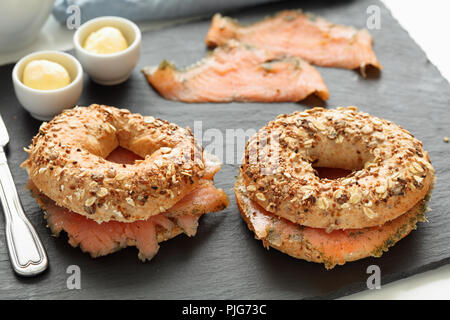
(113, 68)
(45, 104)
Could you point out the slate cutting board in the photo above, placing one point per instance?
(223, 260)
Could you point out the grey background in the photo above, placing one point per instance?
(223, 260)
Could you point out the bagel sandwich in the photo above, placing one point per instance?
(291, 208)
(111, 179)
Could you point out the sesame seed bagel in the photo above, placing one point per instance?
(67, 163)
(390, 170)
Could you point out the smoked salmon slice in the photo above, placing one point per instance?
(296, 34)
(316, 245)
(238, 72)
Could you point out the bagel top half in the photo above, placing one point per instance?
(67, 163)
(390, 170)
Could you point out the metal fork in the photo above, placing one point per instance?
(26, 252)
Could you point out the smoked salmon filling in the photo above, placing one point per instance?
(100, 239)
(316, 245)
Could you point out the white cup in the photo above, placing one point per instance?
(113, 68)
(45, 104)
(21, 22)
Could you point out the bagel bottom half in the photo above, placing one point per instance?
(316, 245)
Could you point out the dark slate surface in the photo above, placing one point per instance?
(223, 260)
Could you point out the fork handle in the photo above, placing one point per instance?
(27, 254)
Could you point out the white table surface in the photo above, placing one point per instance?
(427, 22)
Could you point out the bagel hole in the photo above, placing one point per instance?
(331, 173)
(341, 164)
(123, 156)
